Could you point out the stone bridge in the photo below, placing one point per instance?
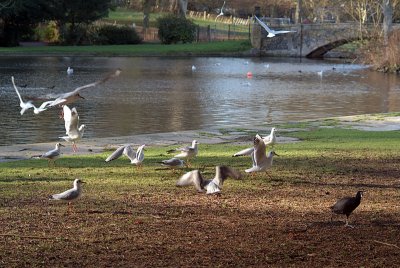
(308, 40)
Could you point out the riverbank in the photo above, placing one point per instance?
(236, 48)
(237, 136)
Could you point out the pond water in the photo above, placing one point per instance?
(156, 94)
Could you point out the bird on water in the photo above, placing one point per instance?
(347, 205)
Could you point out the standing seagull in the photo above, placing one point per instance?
(74, 133)
(268, 140)
(261, 162)
(51, 155)
(221, 13)
(346, 206)
(173, 163)
(71, 194)
(188, 152)
(213, 186)
(70, 71)
(271, 33)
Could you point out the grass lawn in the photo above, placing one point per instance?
(138, 218)
(196, 49)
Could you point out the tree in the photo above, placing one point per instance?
(72, 14)
(17, 17)
(387, 19)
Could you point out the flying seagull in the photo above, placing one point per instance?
(213, 186)
(71, 120)
(27, 105)
(269, 140)
(51, 155)
(346, 206)
(271, 33)
(261, 162)
(221, 13)
(72, 96)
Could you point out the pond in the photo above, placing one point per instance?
(163, 94)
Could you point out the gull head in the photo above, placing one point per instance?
(194, 142)
(58, 145)
(272, 153)
(78, 183)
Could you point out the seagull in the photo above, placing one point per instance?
(346, 206)
(71, 194)
(268, 140)
(70, 71)
(24, 105)
(173, 163)
(320, 73)
(51, 155)
(193, 68)
(221, 13)
(261, 162)
(72, 96)
(188, 152)
(271, 33)
(71, 120)
(210, 186)
(127, 150)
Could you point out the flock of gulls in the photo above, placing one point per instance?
(261, 159)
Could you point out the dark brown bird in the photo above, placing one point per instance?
(346, 206)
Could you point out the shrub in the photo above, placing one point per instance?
(173, 29)
(50, 33)
(117, 35)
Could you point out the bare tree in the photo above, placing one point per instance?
(387, 8)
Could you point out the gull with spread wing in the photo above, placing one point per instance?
(271, 32)
(269, 140)
(213, 186)
(136, 158)
(27, 105)
(261, 162)
(71, 120)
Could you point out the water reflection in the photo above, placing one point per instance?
(163, 94)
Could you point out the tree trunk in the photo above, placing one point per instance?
(387, 19)
(298, 11)
(182, 7)
(146, 14)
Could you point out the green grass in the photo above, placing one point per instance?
(196, 49)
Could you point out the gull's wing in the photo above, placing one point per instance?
(44, 104)
(129, 152)
(247, 151)
(16, 90)
(57, 101)
(259, 150)
(51, 154)
(108, 77)
(67, 195)
(116, 154)
(223, 172)
(173, 162)
(283, 31)
(269, 30)
(140, 154)
(71, 119)
(192, 177)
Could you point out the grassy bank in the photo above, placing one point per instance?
(196, 49)
(137, 217)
